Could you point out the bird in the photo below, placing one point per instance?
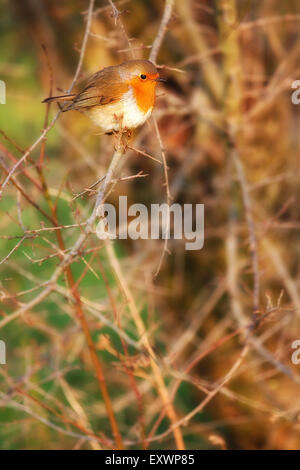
(116, 98)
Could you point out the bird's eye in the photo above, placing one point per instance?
(143, 76)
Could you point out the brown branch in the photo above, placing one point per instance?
(251, 229)
(168, 194)
(117, 15)
(169, 5)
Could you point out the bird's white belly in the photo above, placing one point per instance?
(109, 116)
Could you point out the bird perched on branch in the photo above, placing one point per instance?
(116, 98)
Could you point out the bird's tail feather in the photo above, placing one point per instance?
(58, 99)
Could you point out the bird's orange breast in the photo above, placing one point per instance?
(144, 93)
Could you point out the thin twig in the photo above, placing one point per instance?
(117, 16)
(84, 44)
(169, 5)
(167, 228)
(251, 229)
(49, 127)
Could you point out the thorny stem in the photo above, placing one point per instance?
(117, 16)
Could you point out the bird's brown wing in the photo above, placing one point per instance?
(102, 88)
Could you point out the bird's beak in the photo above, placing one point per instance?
(159, 79)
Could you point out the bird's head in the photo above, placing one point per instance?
(143, 77)
(139, 71)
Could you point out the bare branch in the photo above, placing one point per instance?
(169, 5)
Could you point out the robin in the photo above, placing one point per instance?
(116, 98)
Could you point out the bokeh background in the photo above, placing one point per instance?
(231, 136)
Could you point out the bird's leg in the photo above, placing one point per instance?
(127, 137)
(119, 135)
(124, 140)
(130, 134)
